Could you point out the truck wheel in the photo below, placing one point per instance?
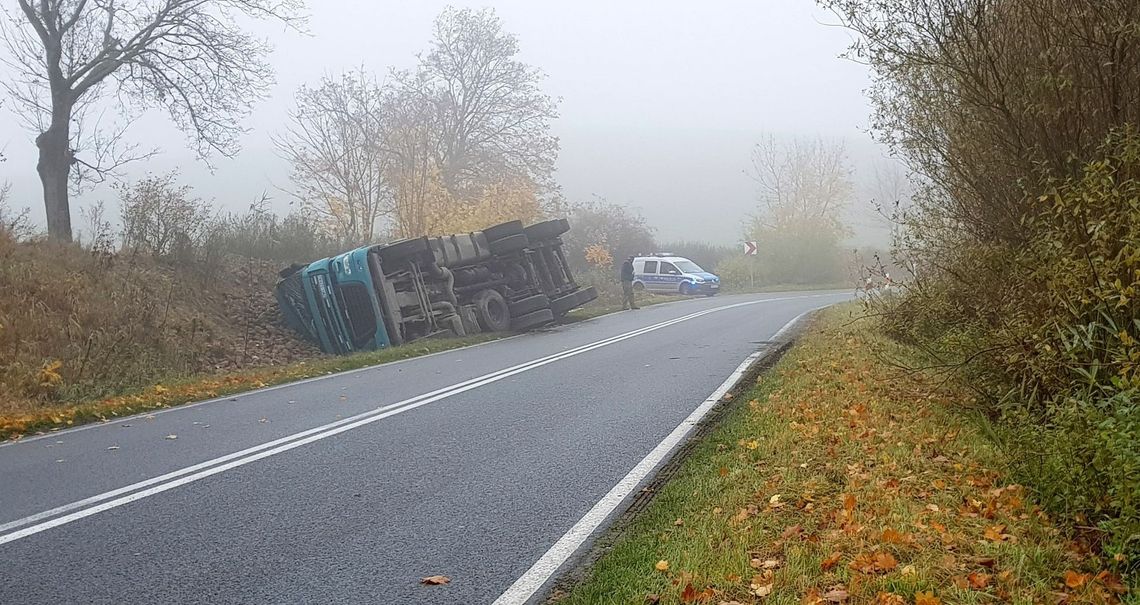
(290, 270)
(504, 230)
(562, 306)
(529, 304)
(491, 309)
(547, 229)
(532, 320)
(509, 244)
(403, 250)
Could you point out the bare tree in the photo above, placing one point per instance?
(335, 144)
(803, 188)
(491, 115)
(802, 181)
(189, 57)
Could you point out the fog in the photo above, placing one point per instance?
(661, 102)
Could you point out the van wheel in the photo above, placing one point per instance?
(492, 311)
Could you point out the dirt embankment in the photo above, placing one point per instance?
(77, 325)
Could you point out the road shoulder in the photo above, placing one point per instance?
(835, 477)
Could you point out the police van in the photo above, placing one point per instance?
(666, 273)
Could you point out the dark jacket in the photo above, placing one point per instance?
(627, 271)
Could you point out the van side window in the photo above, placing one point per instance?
(669, 269)
(650, 266)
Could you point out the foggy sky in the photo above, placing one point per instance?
(661, 101)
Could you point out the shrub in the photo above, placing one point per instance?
(1048, 333)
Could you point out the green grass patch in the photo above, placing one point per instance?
(838, 478)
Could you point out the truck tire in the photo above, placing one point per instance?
(290, 270)
(509, 244)
(529, 304)
(492, 311)
(562, 306)
(404, 249)
(532, 320)
(547, 229)
(503, 230)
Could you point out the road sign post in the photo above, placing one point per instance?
(753, 250)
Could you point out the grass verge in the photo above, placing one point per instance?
(31, 418)
(835, 479)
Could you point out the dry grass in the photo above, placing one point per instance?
(840, 479)
(77, 325)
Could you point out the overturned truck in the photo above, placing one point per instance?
(506, 277)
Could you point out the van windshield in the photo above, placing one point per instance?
(688, 266)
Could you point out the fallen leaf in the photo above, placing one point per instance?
(926, 598)
(849, 502)
(689, 594)
(831, 561)
(835, 595)
(732, 577)
(1074, 579)
(774, 499)
(885, 561)
(1112, 582)
(811, 597)
(762, 591)
(435, 580)
(889, 598)
(994, 533)
(752, 444)
(909, 570)
(662, 565)
(652, 599)
(723, 472)
(718, 510)
(978, 581)
(893, 536)
(862, 562)
(792, 532)
(679, 522)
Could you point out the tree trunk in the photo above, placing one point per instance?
(54, 167)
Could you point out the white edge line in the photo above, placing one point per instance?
(243, 457)
(525, 588)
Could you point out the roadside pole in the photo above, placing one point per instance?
(751, 249)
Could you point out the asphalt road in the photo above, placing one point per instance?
(350, 488)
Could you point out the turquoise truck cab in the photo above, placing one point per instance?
(332, 302)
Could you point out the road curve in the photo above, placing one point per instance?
(350, 488)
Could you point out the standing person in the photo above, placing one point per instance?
(627, 285)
